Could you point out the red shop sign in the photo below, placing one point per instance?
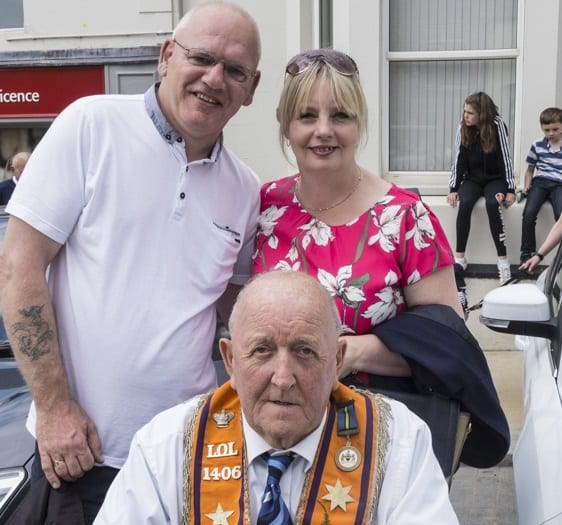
(45, 92)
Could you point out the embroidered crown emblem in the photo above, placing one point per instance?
(223, 418)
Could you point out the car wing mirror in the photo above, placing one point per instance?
(521, 309)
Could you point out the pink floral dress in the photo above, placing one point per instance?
(364, 264)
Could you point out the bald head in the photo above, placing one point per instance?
(284, 356)
(227, 12)
(285, 290)
(19, 160)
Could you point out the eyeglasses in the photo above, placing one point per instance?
(341, 62)
(202, 58)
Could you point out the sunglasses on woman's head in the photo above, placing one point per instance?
(341, 62)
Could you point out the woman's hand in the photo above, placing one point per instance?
(453, 199)
(508, 200)
(367, 353)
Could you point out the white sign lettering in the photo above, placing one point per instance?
(221, 450)
(225, 473)
(18, 96)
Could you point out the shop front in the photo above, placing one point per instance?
(30, 98)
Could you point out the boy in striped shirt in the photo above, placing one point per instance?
(543, 177)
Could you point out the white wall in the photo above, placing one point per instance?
(541, 70)
(357, 31)
(63, 24)
(480, 248)
(253, 132)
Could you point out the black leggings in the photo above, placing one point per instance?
(469, 193)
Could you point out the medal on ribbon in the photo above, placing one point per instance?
(347, 458)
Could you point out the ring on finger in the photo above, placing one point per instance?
(58, 462)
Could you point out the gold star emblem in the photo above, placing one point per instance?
(220, 517)
(338, 496)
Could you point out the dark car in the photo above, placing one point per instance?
(16, 444)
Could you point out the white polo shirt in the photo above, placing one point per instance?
(150, 243)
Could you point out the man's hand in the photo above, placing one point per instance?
(530, 264)
(68, 442)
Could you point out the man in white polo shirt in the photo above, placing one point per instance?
(146, 222)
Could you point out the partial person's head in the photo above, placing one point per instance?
(321, 79)
(551, 123)
(209, 69)
(285, 355)
(18, 162)
(479, 109)
(479, 112)
(8, 166)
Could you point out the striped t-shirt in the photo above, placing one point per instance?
(546, 161)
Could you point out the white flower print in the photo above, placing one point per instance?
(284, 265)
(388, 225)
(267, 222)
(318, 231)
(422, 228)
(414, 277)
(389, 299)
(386, 199)
(272, 186)
(347, 330)
(293, 253)
(336, 285)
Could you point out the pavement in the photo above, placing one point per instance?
(487, 496)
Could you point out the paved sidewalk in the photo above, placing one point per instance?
(484, 496)
(487, 496)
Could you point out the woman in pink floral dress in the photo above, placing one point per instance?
(376, 247)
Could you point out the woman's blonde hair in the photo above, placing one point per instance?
(347, 91)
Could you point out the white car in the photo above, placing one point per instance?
(532, 311)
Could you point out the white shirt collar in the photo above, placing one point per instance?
(256, 445)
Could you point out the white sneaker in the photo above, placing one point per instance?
(464, 302)
(504, 272)
(462, 262)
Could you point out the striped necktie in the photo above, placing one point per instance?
(273, 508)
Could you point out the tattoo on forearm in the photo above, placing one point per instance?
(32, 334)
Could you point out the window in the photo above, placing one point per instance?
(11, 14)
(439, 51)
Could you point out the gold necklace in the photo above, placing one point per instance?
(358, 179)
